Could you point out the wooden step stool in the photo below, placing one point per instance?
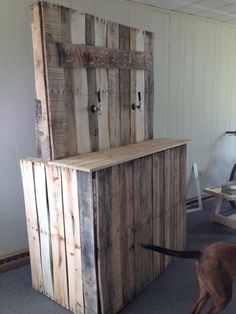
(226, 191)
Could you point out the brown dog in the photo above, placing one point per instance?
(216, 272)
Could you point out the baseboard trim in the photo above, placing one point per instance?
(193, 202)
(14, 260)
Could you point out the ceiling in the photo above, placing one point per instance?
(221, 10)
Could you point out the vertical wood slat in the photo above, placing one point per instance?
(146, 168)
(140, 114)
(137, 223)
(158, 211)
(173, 210)
(133, 81)
(149, 90)
(80, 87)
(113, 88)
(56, 89)
(124, 81)
(102, 87)
(55, 201)
(73, 242)
(68, 77)
(32, 224)
(42, 127)
(92, 88)
(127, 233)
(177, 207)
(116, 229)
(104, 240)
(167, 186)
(43, 221)
(182, 196)
(87, 235)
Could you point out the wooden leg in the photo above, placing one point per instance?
(216, 207)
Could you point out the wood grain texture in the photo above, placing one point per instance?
(59, 263)
(182, 191)
(41, 112)
(158, 211)
(87, 233)
(127, 231)
(124, 81)
(102, 87)
(92, 87)
(69, 92)
(80, 87)
(43, 221)
(32, 224)
(146, 218)
(113, 88)
(104, 240)
(107, 158)
(167, 203)
(73, 241)
(101, 57)
(139, 121)
(149, 90)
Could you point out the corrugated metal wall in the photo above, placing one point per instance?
(195, 94)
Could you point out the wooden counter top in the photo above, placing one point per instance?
(103, 159)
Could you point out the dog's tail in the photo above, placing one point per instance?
(182, 254)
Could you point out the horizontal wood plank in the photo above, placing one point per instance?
(107, 158)
(74, 55)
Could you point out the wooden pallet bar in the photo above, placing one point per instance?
(88, 222)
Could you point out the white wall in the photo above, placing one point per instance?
(195, 94)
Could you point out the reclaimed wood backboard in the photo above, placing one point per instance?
(76, 57)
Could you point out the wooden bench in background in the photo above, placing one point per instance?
(225, 191)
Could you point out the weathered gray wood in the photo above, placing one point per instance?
(182, 185)
(149, 90)
(104, 240)
(87, 225)
(72, 55)
(113, 88)
(125, 105)
(92, 88)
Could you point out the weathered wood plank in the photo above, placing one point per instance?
(177, 207)
(87, 234)
(105, 245)
(92, 88)
(113, 88)
(127, 231)
(158, 211)
(80, 87)
(146, 218)
(149, 89)
(73, 242)
(68, 94)
(125, 127)
(41, 112)
(72, 55)
(133, 81)
(116, 240)
(59, 265)
(43, 221)
(137, 224)
(102, 87)
(32, 224)
(182, 191)
(167, 185)
(173, 225)
(140, 94)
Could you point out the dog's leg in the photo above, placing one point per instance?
(203, 295)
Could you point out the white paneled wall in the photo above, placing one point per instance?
(195, 94)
